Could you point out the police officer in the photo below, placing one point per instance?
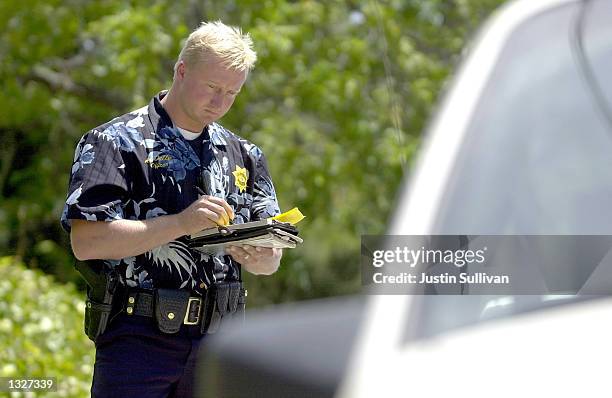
(139, 184)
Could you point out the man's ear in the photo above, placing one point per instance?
(180, 70)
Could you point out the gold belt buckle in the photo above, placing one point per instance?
(186, 320)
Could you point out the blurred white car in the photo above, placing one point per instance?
(521, 145)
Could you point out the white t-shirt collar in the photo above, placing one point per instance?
(188, 135)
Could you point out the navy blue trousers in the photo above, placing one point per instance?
(135, 359)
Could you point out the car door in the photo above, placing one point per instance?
(522, 146)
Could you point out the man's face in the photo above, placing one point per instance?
(207, 90)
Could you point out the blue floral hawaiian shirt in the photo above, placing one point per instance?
(139, 166)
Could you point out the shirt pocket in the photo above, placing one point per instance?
(169, 193)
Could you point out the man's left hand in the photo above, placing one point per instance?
(257, 260)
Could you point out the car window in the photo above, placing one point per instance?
(536, 160)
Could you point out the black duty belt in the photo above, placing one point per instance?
(172, 308)
(143, 304)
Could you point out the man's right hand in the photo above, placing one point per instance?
(124, 238)
(206, 212)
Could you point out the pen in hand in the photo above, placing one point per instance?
(222, 228)
(200, 191)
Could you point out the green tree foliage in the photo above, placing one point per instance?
(338, 101)
(41, 330)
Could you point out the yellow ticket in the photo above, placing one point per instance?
(292, 216)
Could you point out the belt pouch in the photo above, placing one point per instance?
(170, 308)
(234, 293)
(241, 306)
(209, 308)
(217, 297)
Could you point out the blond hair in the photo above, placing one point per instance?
(227, 43)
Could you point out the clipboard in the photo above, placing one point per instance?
(263, 233)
